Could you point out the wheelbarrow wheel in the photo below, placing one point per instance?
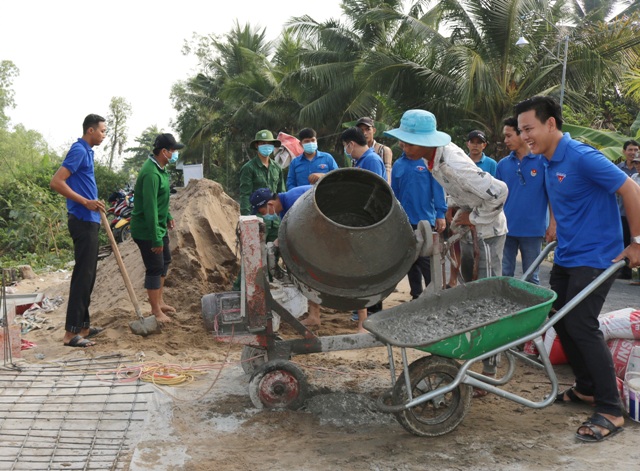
(278, 384)
(439, 415)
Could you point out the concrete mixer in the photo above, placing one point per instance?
(345, 244)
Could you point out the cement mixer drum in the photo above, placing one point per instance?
(347, 242)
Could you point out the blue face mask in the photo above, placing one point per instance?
(266, 149)
(174, 157)
(270, 217)
(347, 153)
(310, 147)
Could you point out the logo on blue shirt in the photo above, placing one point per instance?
(420, 168)
(534, 172)
(323, 166)
(561, 176)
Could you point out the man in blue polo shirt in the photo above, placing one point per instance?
(581, 185)
(355, 146)
(312, 164)
(527, 203)
(75, 180)
(423, 199)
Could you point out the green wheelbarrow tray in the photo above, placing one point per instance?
(434, 323)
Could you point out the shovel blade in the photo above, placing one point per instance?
(145, 326)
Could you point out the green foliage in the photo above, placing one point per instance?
(456, 59)
(35, 222)
(119, 112)
(140, 153)
(8, 71)
(608, 142)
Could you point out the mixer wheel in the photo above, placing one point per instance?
(252, 358)
(278, 384)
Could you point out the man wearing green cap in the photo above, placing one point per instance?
(261, 172)
(479, 196)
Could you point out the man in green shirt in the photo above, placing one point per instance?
(150, 220)
(262, 172)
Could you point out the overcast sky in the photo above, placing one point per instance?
(74, 56)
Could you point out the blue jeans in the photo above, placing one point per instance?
(529, 249)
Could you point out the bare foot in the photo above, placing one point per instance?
(362, 330)
(310, 322)
(166, 308)
(162, 317)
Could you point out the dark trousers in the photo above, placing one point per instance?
(581, 338)
(85, 249)
(156, 264)
(420, 269)
(626, 237)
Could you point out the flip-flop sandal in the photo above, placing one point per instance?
(79, 342)
(573, 398)
(93, 331)
(592, 424)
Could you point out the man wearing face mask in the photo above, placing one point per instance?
(150, 220)
(261, 171)
(312, 164)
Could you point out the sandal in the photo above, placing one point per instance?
(93, 331)
(79, 342)
(592, 424)
(573, 398)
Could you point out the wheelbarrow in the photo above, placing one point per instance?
(433, 394)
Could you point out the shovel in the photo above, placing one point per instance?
(142, 325)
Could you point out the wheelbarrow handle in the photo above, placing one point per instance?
(539, 259)
(586, 291)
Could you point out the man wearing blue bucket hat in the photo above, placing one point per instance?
(479, 196)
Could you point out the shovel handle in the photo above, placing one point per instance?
(123, 270)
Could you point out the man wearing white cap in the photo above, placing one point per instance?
(479, 196)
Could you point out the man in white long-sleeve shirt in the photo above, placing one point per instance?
(479, 196)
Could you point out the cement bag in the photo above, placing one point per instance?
(551, 345)
(621, 324)
(554, 347)
(621, 351)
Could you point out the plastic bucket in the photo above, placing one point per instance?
(631, 390)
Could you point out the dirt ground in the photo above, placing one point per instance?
(207, 425)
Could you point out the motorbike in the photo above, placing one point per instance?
(121, 224)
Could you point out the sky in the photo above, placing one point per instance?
(74, 56)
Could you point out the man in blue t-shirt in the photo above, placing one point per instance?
(423, 199)
(476, 143)
(581, 185)
(527, 204)
(312, 164)
(355, 146)
(75, 180)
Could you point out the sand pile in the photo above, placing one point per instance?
(203, 261)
